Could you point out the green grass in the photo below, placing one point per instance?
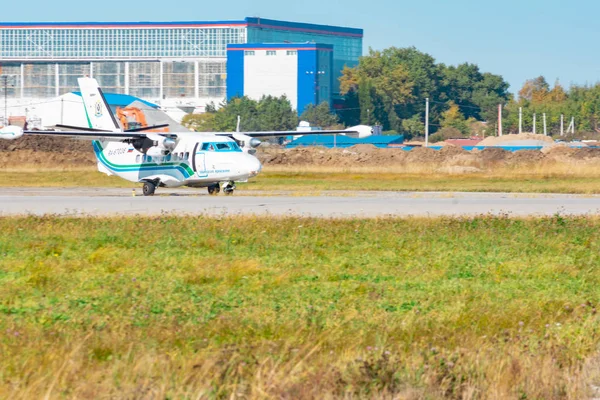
(318, 181)
(298, 308)
(310, 181)
(68, 177)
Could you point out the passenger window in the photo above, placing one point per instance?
(168, 158)
(149, 158)
(138, 158)
(187, 155)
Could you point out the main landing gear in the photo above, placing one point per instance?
(228, 188)
(148, 189)
(214, 189)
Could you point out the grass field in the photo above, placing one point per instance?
(299, 308)
(556, 179)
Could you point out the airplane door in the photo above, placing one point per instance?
(200, 163)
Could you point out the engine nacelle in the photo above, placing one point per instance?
(156, 152)
(11, 132)
(247, 143)
(162, 142)
(157, 144)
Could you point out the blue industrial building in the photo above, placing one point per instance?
(343, 141)
(173, 63)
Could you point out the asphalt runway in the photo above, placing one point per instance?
(104, 202)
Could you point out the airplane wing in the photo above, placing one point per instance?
(263, 134)
(89, 135)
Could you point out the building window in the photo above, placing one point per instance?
(292, 52)
(271, 53)
(249, 52)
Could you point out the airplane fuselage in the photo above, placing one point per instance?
(196, 161)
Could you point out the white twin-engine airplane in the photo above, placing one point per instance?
(213, 160)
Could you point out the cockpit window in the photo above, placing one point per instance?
(221, 146)
(208, 147)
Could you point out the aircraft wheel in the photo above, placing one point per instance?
(148, 189)
(214, 189)
(228, 191)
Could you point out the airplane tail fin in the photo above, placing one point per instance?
(98, 113)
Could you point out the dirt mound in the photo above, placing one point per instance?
(363, 148)
(451, 150)
(586, 153)
(558, 150)
(423, 155)
(45, 150)
(525, 157)
(13, 159)
(493, 156)
(498, 140)
(42, 150)
(46, 143)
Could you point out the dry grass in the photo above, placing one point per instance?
(552, 178)
(537, 170)
(249, 307)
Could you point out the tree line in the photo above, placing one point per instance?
(581, 102)
(390, 88)
(267, 114)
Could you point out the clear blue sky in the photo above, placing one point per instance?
(518, 39)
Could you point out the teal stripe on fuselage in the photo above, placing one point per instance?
(182, 168)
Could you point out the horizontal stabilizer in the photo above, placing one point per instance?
(147, 128)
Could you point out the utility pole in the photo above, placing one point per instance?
(5, 77)
(534, 122)
(520, 120)
(562, 124)
(427, 122)
(571, 128)
(499, 119)
(545, 130)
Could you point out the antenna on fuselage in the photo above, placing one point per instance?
(237, 128)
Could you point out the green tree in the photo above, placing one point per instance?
(227, 114)
(534, 90)
(413, 127)
(445, 134)
(199, 122)
(392, 86)
(267, 114)
(453, 118)
(319, 116)
(276, 113)
(349, 114)
(365, 99)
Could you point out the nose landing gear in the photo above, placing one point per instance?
(228, 188)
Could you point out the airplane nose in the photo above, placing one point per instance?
(254, 166)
